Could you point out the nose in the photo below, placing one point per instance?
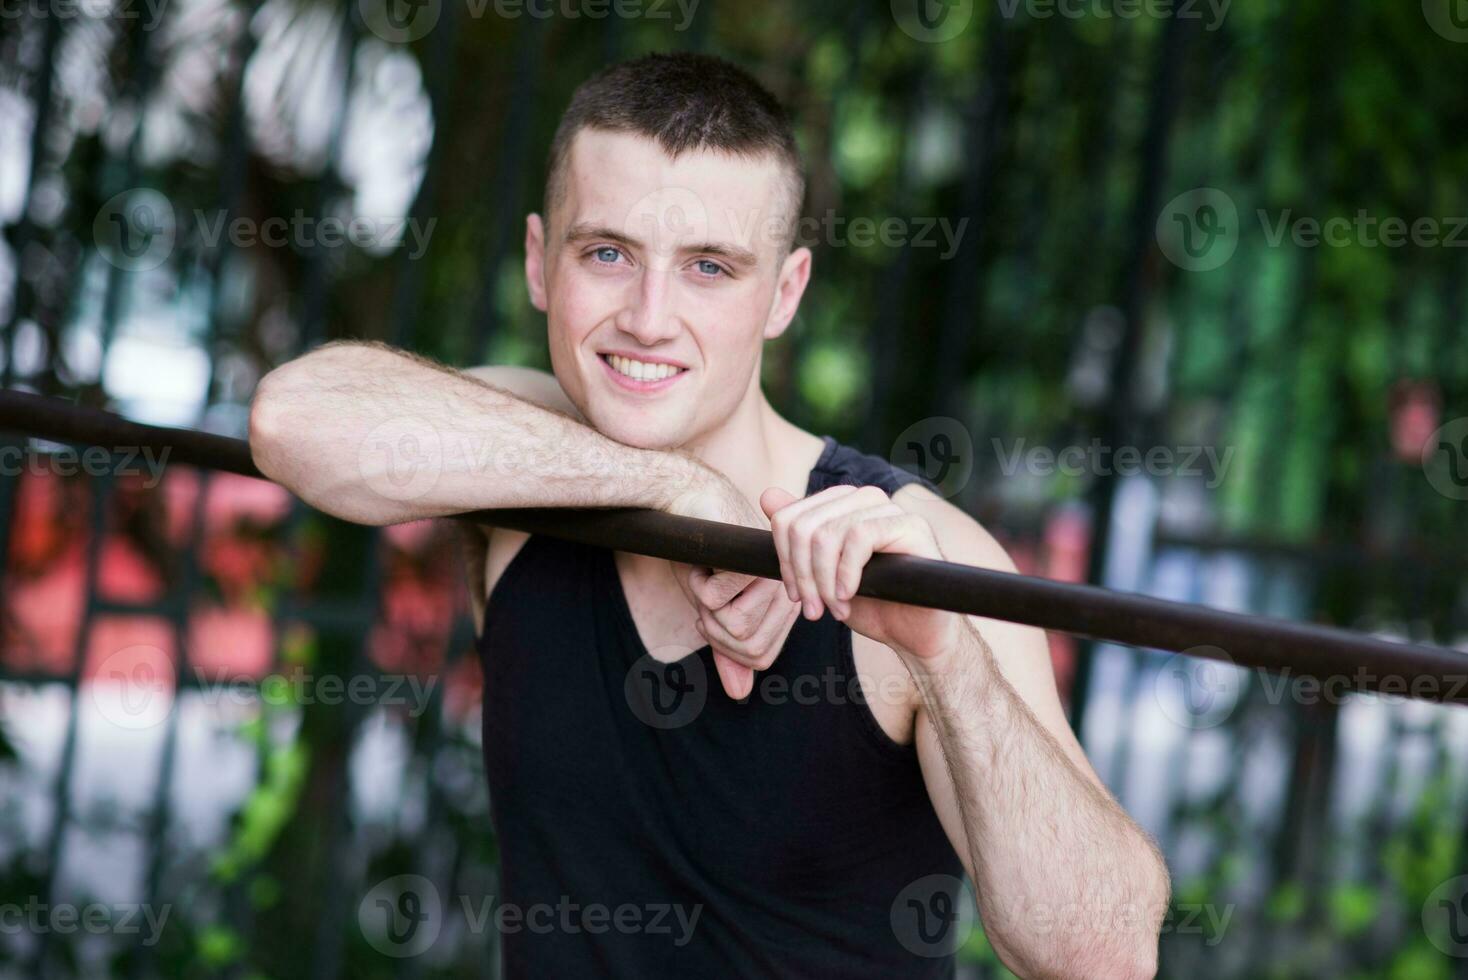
(650, 312)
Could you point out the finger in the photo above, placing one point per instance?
(854, 557)
(740, 650)
(738, 680)
(811, 539)
(774, 499)
(782, 526)
(761, 649)
(853, 562)
(831, 562)
(743, 615)
(721, 642)
(815, 538)
(780, 521)
(773, 633)
(682, 574)
(714, 589)
(900, 533)
(830, 526)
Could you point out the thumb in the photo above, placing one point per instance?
(716, 589)
(738, 679)
(775, 499)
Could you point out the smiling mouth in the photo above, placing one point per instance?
(643, 372)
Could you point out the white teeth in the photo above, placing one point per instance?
(641, 370)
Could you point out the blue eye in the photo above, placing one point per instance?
(607, 254)
(709, 268)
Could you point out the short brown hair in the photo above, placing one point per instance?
(686, 102)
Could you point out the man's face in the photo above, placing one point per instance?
(660, 281)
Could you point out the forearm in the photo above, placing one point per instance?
(377, 436)
(1069, 885)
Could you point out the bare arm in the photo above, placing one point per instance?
(1068, 884)
(378, 436)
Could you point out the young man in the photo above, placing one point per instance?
(808, 814)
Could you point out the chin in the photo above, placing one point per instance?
(646, 430)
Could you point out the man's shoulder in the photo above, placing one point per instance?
(960, 535)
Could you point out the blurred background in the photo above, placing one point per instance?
(1170, 295)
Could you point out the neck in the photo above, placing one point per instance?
(757, 449)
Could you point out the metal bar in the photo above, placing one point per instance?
(1415, 670)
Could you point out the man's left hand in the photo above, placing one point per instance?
(824, 542)
(744, 619)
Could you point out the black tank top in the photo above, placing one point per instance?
(648, 826)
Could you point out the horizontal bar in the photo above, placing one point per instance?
(1304, 650)
(59, 421)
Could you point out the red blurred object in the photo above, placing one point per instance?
(1416, 413)
(46, 575)
(1068, 550)
(1060, 554)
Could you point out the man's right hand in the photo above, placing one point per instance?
(745, 619)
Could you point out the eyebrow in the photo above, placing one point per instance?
(585, 232)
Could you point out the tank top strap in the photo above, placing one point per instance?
(843, 465)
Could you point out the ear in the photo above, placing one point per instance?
(535, 260)
(794, 277)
